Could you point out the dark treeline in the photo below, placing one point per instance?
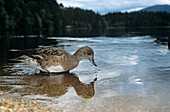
(80, 18)
(30, 15)
(138, 19)
(26, 15)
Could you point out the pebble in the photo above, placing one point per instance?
(18, 104)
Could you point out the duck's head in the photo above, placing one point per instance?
(86, 53)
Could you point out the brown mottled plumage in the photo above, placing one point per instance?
(53, 59)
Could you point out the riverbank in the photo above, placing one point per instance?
(15, 103)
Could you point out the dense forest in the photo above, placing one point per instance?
(138, 19)
(30, 15)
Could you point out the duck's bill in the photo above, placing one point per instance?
(93, 62)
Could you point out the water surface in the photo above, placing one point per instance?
(133, 74)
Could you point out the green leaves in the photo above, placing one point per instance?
(4, 18)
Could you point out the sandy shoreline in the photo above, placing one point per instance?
(16, 103)
(10, 103)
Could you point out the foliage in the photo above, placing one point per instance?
(4, 18)
(80, 18)
(138, 19)
(29, 15)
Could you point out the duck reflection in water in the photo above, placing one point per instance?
(55, 85)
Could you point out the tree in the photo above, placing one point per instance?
(4, 18)
(37, 21)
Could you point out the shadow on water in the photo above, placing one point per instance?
(110, 32)
(51, 85)
(8, 43)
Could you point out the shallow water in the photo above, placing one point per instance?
(133, 74)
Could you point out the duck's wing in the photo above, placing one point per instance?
(40, 53)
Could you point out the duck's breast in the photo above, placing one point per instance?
(57, 68)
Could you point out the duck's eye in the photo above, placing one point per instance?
(89, 53)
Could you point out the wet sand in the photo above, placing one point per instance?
(12, 103)
(121, 104)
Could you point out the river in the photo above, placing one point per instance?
(133, 74)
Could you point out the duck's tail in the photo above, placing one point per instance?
(31, 61)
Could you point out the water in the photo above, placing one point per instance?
(133, 74)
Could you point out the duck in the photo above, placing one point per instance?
(56, 60)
